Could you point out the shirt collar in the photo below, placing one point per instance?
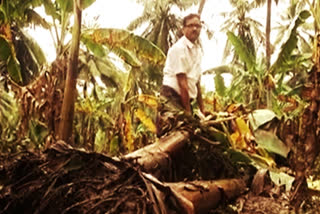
(191, 45)
(188, 42)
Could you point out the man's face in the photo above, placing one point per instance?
(192, 29)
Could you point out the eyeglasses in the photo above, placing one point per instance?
(194, 25)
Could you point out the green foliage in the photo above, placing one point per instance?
(271, 142)
(281, 178)
(38, 131)
(15, 10)
(7, 55)
(259, 117)
(287, 48)
(5, 49)
(253, 79)
(247, 28)
(14, 70)
(128, 46)
(30, 56)
(220, 85)
(22, 55)
(9, 121)
(242, 51)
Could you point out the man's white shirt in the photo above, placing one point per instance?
(183, 57)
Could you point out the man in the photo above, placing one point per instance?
(182, 71)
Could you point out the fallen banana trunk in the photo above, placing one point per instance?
(195, 197)
(206, 195)
(156, 158)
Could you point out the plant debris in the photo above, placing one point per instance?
(66, 180)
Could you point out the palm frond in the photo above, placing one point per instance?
(136, 23)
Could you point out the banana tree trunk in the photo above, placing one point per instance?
(198, 197)
(67, 112)
(193, 197)
(156, 158)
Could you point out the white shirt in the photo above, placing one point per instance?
(183, 57)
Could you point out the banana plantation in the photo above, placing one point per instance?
(78, 135)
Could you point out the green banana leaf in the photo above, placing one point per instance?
(242, 50)
(290, 44)
(34, 49)
(5, 49)
(131, 48)
(270, 142)
(259, 117)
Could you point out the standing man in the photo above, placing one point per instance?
(182, 71)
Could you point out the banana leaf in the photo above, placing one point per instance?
(131, 48)
(290, 44)
(243, 51)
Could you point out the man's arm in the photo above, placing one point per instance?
(199, 98)
(183, 84)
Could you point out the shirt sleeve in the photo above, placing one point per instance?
(176, 61)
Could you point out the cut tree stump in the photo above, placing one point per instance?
(156, 158)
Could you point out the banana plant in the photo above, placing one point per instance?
(9, 120)
(22, 56)
(144, 58)
(144, 62)
(242, 25)
(61, 12)
(254, 80)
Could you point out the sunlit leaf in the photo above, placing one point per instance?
(149, 100)
(219, 70)
(34, 49)
(126, 44)
(262, 161)
(238, 141)
(291, 42)
(243, 127)
(219, 85)
(281, 178)
(259, 117)
(96, 49)
(127, 56)
(36, 19)
(242, 50)
(50, 8)
(100, 141)
(14, 69)
(271, 142)
(128, 132)
(66, 6)
(147, 121)
(107, 72)
(86, 3)
(114, 145)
